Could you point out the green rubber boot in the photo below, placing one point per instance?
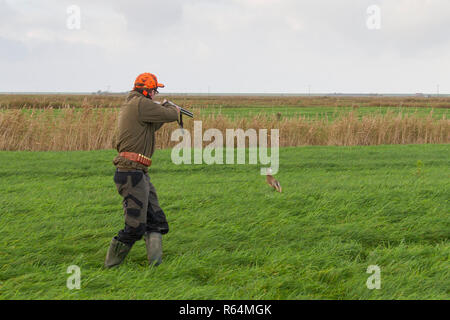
(153, 242)
(116, 254)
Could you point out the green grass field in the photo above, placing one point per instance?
(232, 237)
(319, 112)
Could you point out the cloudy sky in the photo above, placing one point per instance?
(255, 46)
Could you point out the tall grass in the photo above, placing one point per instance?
(68, 129)
(95, 128)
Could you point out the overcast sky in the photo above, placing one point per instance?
(255, 46)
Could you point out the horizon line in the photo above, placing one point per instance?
(416, 94)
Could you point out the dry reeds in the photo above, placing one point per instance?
(95, 128)
(49, 129)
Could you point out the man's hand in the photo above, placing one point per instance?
(178, 108)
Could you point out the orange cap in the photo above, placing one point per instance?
(147, 81)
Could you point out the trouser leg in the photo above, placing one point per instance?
(156, 218)
(133, 186)
(134, 189)
(156, 226)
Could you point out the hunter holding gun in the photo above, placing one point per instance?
(140, 117)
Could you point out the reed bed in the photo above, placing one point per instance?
(95, 128)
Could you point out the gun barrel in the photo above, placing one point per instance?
(182, 110)
(186, 112)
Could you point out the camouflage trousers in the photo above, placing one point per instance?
(140, 205)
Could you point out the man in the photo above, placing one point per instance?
(139, 119)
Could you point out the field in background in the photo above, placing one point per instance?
(79, 122)
(341, 210)
(247, 106)
(114, 100)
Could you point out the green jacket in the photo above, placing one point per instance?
(139, 118)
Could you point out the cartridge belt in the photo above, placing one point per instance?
(137, 157)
